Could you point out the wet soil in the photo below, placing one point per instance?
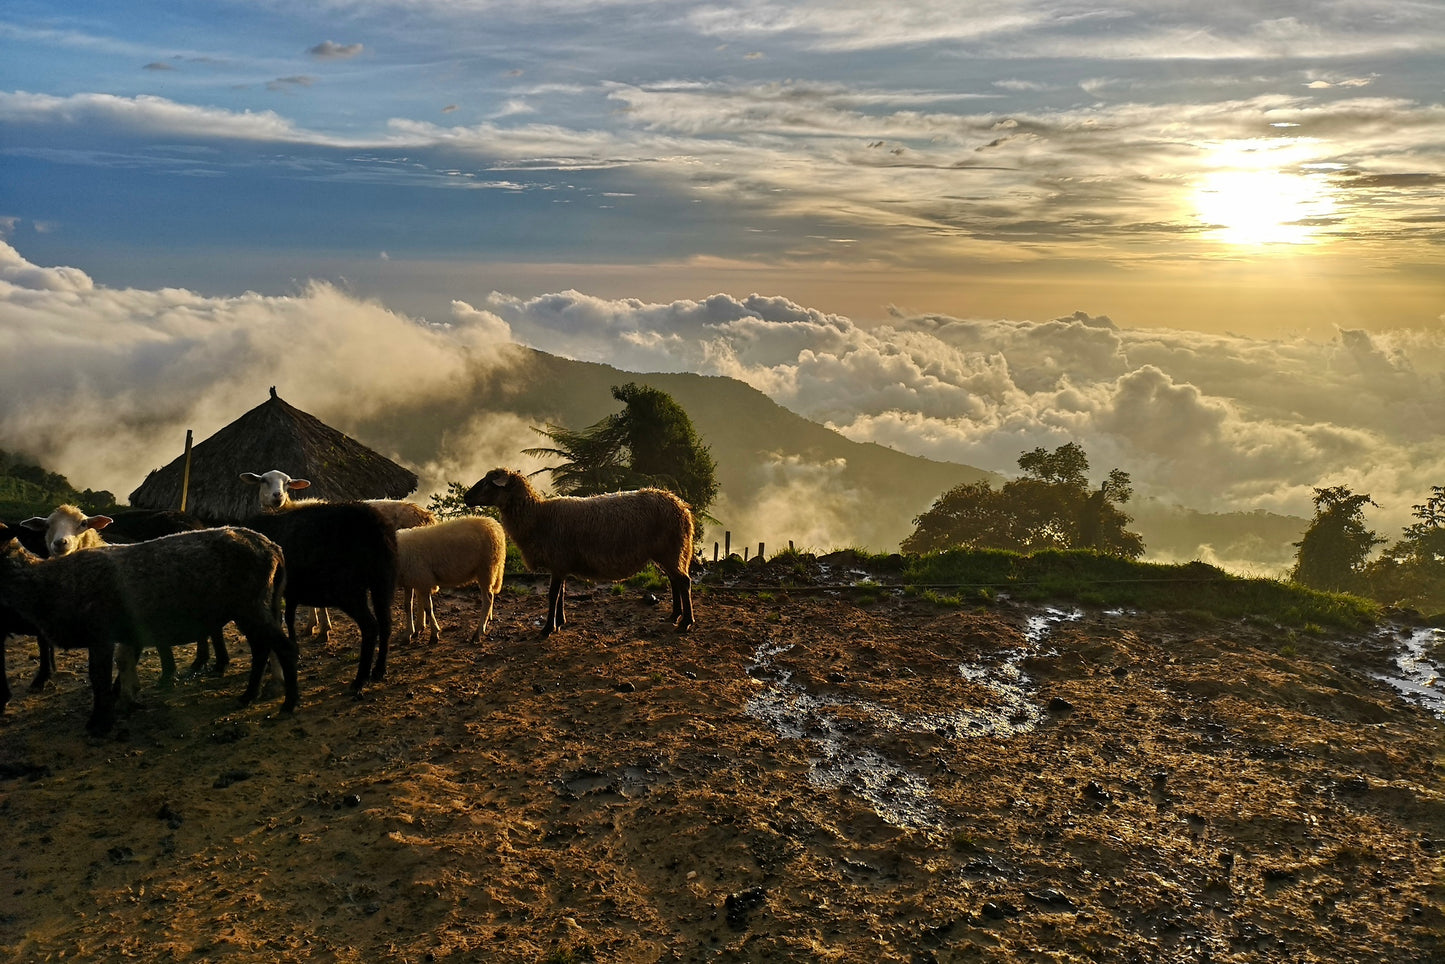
(820, 775)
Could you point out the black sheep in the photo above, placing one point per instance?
(166, 591)
(340, 555)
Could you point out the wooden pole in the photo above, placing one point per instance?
(186, 473)
(714, 552)
(760, 550)
(727, 544)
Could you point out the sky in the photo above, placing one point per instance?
(1205, 240)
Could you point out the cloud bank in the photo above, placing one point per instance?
(101, 383)
(1213, 422)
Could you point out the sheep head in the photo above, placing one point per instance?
(274, 487)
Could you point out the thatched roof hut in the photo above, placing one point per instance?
(273, 435)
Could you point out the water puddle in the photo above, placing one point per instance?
(1418, 678)
(830, 722)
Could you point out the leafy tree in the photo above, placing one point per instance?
(1412, 571)
(450, 504)
(28, 489)
(1050, 507)
(651, 442)
(1337, 543)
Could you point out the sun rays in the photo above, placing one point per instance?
(1260, 207)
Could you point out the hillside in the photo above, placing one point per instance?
(758, 445)
(810, 774)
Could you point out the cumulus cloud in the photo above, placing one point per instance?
(101, 383)
(1214, 422)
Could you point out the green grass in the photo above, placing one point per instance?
(958, 576)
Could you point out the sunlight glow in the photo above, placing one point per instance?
(1263, 207)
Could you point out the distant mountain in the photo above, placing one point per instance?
(1255, 543)
(785, 477)
(782, 476)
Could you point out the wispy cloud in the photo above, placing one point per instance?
(330, 50)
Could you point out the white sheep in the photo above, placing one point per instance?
(67, 529)
(451, 553)
(274, 490)
(597, 537)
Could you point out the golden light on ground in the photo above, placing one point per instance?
(1258, 207)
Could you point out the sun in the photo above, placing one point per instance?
(1257, 207)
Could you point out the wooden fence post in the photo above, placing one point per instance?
(186, 472)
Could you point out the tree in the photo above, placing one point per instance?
(1412, 571)
(651, 442)
(1336, 544)
(451, 504)
(1050, 507)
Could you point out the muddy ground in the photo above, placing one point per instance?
(808, 775)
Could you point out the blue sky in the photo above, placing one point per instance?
(1020, 159)
(1206, 241)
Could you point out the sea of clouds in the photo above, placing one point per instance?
(101, 383)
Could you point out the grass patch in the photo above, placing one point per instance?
(649, 579)
(1092, 579)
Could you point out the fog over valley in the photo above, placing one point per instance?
(101, 384)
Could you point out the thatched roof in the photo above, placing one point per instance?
(273, 435)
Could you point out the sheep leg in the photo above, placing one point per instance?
(168, 667)
(127, 682)
(488, 598)
(366, 621)
(269, 644)
(555, 593)
(203, 653)
(223, 658)
(382, 597)
(102, 711)
(47, 664)
(681, 600)
(4, 676)
(429, 615)
(411, 614)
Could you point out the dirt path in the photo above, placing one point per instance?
(800, 778)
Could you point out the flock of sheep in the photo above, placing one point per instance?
(162, 579)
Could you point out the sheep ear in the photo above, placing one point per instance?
(250, 478)
(98, 521)
(37, 523)
(501, 481)
(298, 484)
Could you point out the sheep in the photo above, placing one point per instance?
(343, 555)
(597, 537)
(274, 490)
(68, 530)
(165, 591)
(12, 623)
(448, 554)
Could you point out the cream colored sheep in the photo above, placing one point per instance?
(67, 530)
(451, 553)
